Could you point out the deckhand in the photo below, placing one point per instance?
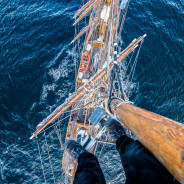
(140, 166)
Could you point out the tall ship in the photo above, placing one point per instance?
(103, 74)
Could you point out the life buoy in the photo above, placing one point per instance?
(84, 61)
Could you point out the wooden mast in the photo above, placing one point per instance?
(83, 89)
(162, 136)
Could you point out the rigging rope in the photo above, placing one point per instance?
(128, 64)
(59, 136)
(65, 117)
(109, 43)
(75, 48)
(134, 63)
(137, 59)
(122, 23)
(115, 72)
(49, 158)
(41, 160)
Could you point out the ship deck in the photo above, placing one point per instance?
(96, 47)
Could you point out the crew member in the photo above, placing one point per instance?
(140, 166)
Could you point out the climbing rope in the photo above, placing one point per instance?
(128, 64)
(58, 135)
(109, 43)
(122, 22)
(136, 58)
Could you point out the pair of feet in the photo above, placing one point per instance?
(113, 127)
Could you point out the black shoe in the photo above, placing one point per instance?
(74, 149)
(114, 128)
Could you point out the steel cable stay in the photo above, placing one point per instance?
(41, 160)
(48, 152)
(82, 107)
(77, 106)
(49, 158)
(75, 58)
(115, 73)
(134, 64)
(58, 133)
(109, 43)
(73, 109)
(95, 106)
(101, 151)
(77, 103)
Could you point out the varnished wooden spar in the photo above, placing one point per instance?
(83, 89)
(87, 10)
(83, 8)
(162, 136)
(84, 30)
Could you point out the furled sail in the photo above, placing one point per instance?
(83, 8)
(87, 10)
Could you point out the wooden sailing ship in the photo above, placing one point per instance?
(94, 87)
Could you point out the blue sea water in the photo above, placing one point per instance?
(37, 74)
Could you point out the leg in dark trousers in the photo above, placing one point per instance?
(140, 166)
(88, 170)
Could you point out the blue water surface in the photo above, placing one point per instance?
(37, 74)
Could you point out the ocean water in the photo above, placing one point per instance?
(37, 74)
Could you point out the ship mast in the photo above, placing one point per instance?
(163, 137)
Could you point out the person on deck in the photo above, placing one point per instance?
(140, 166)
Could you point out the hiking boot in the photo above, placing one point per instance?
(115, 129)
(75, 149)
